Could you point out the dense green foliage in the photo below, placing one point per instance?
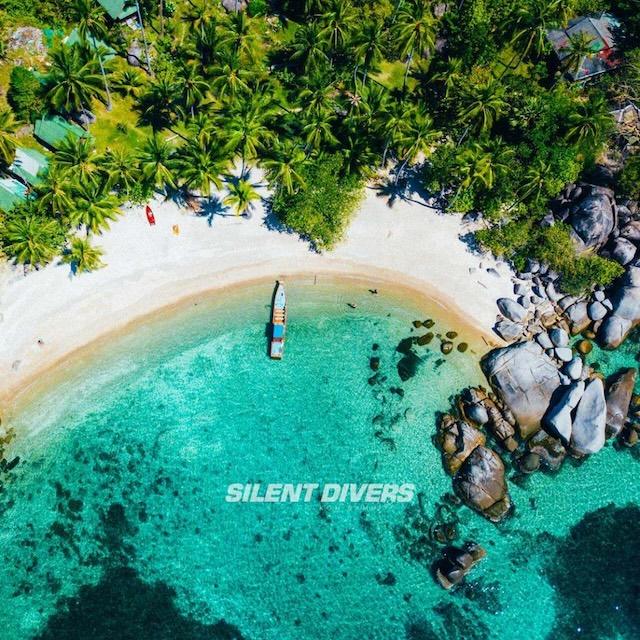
(323, 210)
(552, 245)
(25, 94)
(630, 178)
(324, 94)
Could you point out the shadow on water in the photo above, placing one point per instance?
(124, 607)
(594, 573)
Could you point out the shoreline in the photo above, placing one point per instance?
(167, 272)
(55, 372)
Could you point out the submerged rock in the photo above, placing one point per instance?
(618, 400)
(550, 450)
(456, 563)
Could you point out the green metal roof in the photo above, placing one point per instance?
(29, 165)
(12, 193)
(74, 38)
(116, 8)
(52, 130)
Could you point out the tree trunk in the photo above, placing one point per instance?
(106, 84)
(144, 38)
(406, 71)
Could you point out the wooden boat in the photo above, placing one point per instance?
(151, 219)
(278, 321)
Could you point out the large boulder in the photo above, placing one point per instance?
(457, 439)
(526, 378)
(618, 400)
(558, 420)
(625, 314)
(511, 309)
(623, 251)
(588, 429)
(592, 220)
(481, 485)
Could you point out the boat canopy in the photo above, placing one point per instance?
(278, 330)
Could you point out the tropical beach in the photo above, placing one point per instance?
(319, 319)
(406, 246)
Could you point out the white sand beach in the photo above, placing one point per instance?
(149, 268)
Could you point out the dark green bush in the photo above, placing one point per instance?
(519, 240)
(322, 210)
(24, 94)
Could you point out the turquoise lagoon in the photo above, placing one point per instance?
(114, 525)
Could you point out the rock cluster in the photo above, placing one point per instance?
(598, 223)
(478, 472)
(456, 562)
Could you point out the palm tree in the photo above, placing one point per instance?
(317, 129)
(394, 128)
(451, 75)
(76, 158)
(93, 207)
(200, 164)
(241, 196)
(415, 31)
(120, 167)
(418, 138)
(247, 133)
(337, 20)
(532, 22)
(317, 93)
(535, 183)
(90, 19)
(8, 127)
(367, 46)
(157, 162)
(229, 78)
(91, 24)
(285, 165)
(54, 194)
(71, 82)
(590, 122)
(83, 256)
(482, 104)
(483, 162)
(239, 36)
(144, 36)
(157, 102)
(129, 81)
(31, 240)
(580, 48)
(308, 47)
(193, 87)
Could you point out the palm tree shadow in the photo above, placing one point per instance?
(272, 221)
(211, 208)
(407, 187)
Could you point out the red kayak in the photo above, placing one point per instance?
(150, 217)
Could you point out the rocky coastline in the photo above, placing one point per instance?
(545, 403)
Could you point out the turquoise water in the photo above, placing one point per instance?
(114, 525)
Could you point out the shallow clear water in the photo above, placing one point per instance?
(115, 523)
